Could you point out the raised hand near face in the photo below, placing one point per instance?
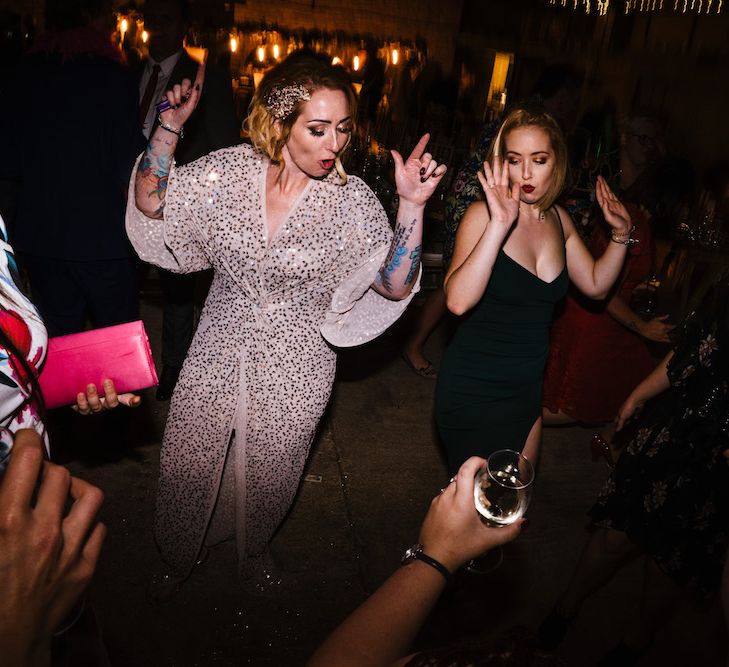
(502, 200)
(417, 177)
(613, 210)
(183, 98)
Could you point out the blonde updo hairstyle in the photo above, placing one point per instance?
(305, 69)
(539, 118)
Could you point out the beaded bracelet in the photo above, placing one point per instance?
(179, 132)
(623, 237)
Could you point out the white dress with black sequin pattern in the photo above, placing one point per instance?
(260, 365)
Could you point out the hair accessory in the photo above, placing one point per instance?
(280, 102)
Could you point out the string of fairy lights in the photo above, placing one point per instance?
(601, 7)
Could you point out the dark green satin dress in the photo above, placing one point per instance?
(489, 391)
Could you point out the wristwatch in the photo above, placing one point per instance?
(415, 552)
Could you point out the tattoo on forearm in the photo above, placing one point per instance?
(398, 250)
(414, 264)
(156, 170)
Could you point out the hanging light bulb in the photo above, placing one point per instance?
(336, 60)
(261, 52)
(145, 36)
(355, 63)
(276, 51)
(395, 56)
(233, 44)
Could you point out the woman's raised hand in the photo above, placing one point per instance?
(615, 213)
(417, 177)
(183, 98)
(502, 200)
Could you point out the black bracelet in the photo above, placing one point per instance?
(416, 552)
(434, 563)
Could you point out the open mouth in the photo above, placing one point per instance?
(326, 164)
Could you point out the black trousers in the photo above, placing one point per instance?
(67, 293)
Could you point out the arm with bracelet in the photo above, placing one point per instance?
(150, 186)
(382, 629)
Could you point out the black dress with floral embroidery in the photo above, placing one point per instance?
(670, 488)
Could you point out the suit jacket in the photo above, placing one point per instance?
(69, 133)
(213, 124)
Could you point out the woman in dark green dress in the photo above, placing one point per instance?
(513, 258)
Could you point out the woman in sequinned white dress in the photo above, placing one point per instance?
(304, 259)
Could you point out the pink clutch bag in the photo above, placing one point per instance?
(120, 353)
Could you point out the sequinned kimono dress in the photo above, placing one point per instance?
(260, 365)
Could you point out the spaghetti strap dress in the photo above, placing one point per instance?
(489, 387)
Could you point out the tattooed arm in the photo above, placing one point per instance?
(416, 179)
(150, 183)
(396, 276)
(154, 168)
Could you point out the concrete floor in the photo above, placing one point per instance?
(371, 475)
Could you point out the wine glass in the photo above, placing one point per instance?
(501, 493)
(502, 488)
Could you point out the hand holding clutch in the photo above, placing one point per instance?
(90, 402)
(75, 362)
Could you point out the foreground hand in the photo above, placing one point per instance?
(630, 409)
(502, 200)
(417, 177)
(47, 556)
(657, 329)
(91, 402)
(184, 97)
(615, 213)
(452, 531)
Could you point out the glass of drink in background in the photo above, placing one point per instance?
(503, 487)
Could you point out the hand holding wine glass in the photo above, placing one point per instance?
(452, 532)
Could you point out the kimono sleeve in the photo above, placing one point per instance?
(179, 241)
(358, 313)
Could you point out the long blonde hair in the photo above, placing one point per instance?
(536, 117)
(305, 70)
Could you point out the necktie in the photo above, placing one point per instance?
(148, 93)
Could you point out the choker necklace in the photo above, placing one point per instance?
(542, 214)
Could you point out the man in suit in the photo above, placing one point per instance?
(68, 139)
(212, 126)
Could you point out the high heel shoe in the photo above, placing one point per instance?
(599, 448)
(162, 587)
(623, 655)
(553, 628)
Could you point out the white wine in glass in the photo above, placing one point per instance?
(502, 489)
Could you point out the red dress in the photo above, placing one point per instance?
(594, 362)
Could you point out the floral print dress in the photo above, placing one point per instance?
(670, 488)
(20, 322)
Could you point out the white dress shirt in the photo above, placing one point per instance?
(166, 67)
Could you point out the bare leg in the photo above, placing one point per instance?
(658, 602)
(558, 418)
(431, 313)
(533, 441)
(606, 551)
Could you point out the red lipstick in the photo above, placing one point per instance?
(528, 188)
